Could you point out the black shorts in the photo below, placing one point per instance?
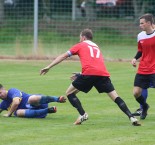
(144, 81)
(85, 83)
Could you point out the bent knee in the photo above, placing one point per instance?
(136, 94)
(34, 99)
(20, 113)
(67, 93)
(71, 92)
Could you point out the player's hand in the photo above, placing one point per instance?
(133, 62)
(44, 71)
(75, 75)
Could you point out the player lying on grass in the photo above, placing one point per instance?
(94, 74)
(25, 105)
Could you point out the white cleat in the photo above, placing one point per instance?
(134, 121)
(81, 119)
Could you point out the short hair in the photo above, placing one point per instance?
(148, 18)
(87, 33)
(1, 86)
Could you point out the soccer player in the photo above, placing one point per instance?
(144, 93)
(94, 73)
(146, 70)
(25, 105)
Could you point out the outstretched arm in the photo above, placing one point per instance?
(53, 63)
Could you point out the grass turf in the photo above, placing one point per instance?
(107, 125)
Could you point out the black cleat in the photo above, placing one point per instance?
(138, 112)
(144, 112)
(52, 109)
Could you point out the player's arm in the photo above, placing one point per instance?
(15, 103)
(137, 56)
(56, 61)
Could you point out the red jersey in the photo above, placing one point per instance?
(146, 45)
(91, 58)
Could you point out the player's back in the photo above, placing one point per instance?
(91, 59)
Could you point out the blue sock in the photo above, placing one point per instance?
(31, 113)
(48, 99)
(144, 94)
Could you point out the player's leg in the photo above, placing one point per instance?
(75, 102)
(139, 110)
(141, 81)
(73, 99)
(122, 105)
(40, 99)
(35, 113)
(109, 89)
(141, 100)
(145, 95)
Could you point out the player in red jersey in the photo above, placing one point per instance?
(146, 70)
(94, 73)
(138, 112)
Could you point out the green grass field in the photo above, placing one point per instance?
(107, 125)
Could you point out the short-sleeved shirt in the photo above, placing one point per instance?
(146, 45)
(91, 58)
(13, 93)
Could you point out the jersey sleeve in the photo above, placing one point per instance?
(14, 93)
(73, 50)
(139, 41)
(139, 47)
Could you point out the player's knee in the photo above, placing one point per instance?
(34, 99)
(136, 94)
(20, 113)
(71, 92)
(68, 93)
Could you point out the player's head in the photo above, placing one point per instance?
(148, 18)
(86, 34)
(146, 21)
(3, 92)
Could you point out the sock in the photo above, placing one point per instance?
(144, 94)
(31, 113)
(141, 101)
(48, 99)
(76, 103)
(123, 106)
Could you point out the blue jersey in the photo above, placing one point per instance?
(13, 93)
